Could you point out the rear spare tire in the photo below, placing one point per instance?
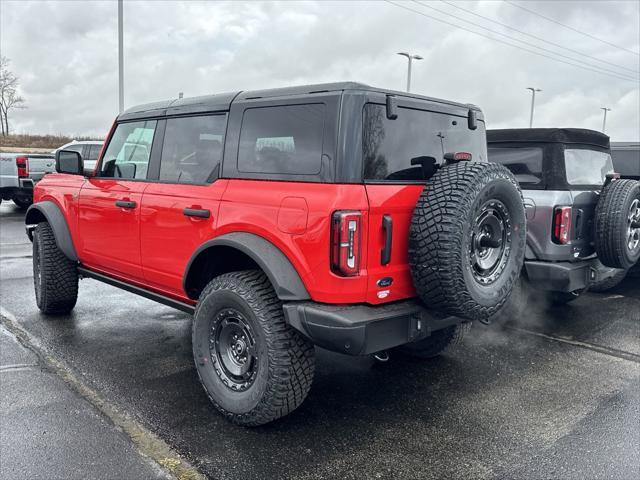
(467, 239)
(617, 228)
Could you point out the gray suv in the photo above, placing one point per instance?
(578, 237)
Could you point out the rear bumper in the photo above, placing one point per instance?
(566, 276)
(364, 329)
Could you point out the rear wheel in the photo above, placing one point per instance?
(55, 277)
(438, 342)
(253, 366)
(467, 239)
(22, 202)
(617, 225)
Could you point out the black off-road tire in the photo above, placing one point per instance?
(609, 283)
(613, 231)
(437, 343)
(443, 238)
(285, 360)
(22, 202)
(55, 277)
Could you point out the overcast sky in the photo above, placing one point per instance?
(65, 54)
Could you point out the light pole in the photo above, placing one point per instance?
(533, 103)
(120, 59)
(410, 58)
(604, 120)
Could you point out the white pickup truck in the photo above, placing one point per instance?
(19, 172)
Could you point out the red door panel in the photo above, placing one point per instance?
(397, 201)
(168, 236)
(110, 234)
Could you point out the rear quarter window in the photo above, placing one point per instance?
(282, 140)
(587, 167)
(525, 163)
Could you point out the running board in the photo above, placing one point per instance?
(156, 297)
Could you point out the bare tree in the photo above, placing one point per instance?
(9, 97)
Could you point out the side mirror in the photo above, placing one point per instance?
(69, 162)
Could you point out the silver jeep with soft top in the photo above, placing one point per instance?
(583, 221)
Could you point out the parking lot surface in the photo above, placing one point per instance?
(554, 395)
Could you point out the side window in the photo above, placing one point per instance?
(192, 148)
(75, 148)
(127, 155)
(525, 163)
(282, 140)
(94, 151)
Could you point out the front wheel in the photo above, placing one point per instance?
(254, 367)
(55, 277)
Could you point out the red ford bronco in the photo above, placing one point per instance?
(340, 215)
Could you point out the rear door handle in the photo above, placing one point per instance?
(196, 212)
(387, 228)
(125, 204)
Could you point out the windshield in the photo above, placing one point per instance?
(587, 167)
(390, 145)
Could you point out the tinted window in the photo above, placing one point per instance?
(587, 167)
(75, 148)
(192, 148)
(94, 151)
(282, 140)
(524, 163)
(127, 155)
(390, 145)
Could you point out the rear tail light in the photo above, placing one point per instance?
(562, 225)
(23, 167)
(345, 243)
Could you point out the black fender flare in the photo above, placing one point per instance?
(50, 212)
(275, 264)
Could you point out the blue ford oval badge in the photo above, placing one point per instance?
(385, 282)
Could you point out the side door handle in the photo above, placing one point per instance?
(387, 227)
(196, 212)
(125, 204)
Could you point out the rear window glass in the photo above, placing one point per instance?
(390, 145)
(192, 148)
(587, 167)
(282, 140)
(524, 163)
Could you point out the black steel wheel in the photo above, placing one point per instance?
(490, 242)
(254, 367)
(232, 348)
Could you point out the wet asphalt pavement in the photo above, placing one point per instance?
(555, 396)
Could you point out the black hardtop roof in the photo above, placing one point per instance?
(222, 101)
(549, 135)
